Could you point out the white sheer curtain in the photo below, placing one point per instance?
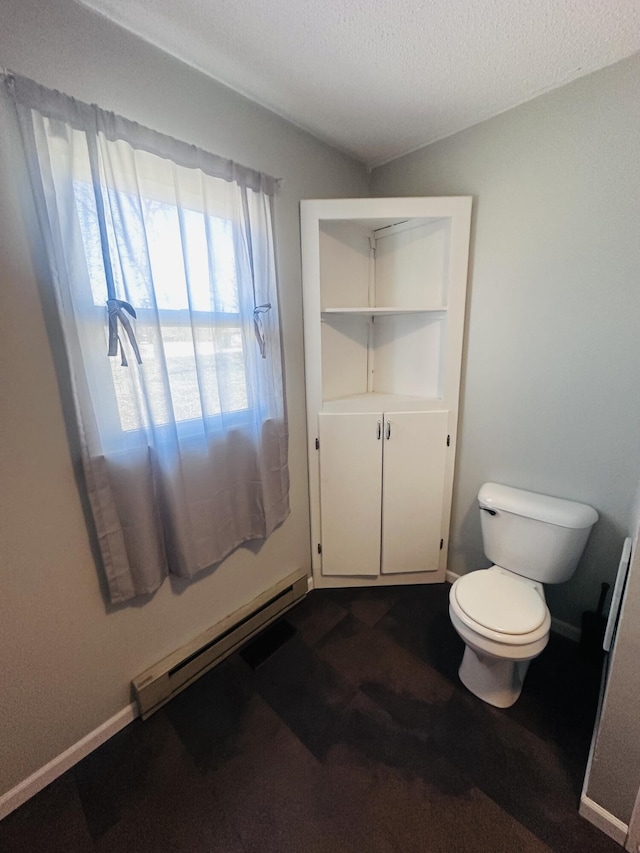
(162, 256)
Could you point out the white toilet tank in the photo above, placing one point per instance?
(536, 536)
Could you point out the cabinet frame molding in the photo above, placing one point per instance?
(455, 209)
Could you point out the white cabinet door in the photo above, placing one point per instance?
(415, 448)
(350, 493)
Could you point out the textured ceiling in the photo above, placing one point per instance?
(382, 78)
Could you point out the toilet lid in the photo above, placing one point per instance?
(500, 602)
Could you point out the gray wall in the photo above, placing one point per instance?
(550, 397)
(66, 659)
(614, 777)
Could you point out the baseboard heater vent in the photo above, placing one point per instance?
(161, 682)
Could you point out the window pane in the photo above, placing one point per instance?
(169, 263)
(213, 383)
(211, 266)
(88, 218)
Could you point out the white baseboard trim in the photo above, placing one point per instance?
(63, 762)
(557, 625)
(604, 820)
(310, 584)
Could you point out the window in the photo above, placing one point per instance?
(197, 321)
(183, 435)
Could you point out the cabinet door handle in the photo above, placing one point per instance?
(388, 435)
(379, 430)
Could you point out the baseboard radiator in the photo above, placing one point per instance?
(161, 682)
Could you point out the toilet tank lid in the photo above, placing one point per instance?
(532, 505)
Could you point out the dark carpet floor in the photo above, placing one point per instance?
(356, 735)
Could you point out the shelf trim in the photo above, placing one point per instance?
(377, 311)
(372, 395)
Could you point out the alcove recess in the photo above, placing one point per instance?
(384, 295)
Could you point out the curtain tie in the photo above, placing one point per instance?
(116, 309)
(259, 329)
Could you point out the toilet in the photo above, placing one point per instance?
(501, 612)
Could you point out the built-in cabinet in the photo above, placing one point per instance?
(381, 485)
(384, 299)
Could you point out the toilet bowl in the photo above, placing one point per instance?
(501, 612)
(504, 622)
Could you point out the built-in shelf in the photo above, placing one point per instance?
(380, 402)
(378, 311)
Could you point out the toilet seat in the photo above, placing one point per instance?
(500, 606)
